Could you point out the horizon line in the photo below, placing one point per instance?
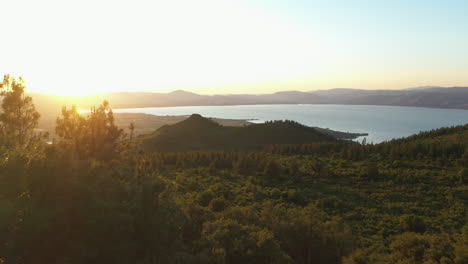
(225, 94)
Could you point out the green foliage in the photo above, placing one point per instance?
(412, 223)
(320, 202)
(18, 118)
(95, 135)
(461, 247)
(205, 197)
(237, 243)
(272, 170)
(217, 205)
(410, 248)
(90, 212)
(414, 248)
(371, 172)
(306, 234)
(463, 175)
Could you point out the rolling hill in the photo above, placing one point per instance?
(199, 133)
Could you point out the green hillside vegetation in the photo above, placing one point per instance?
(199, 133)
(143, 123)
(94, 197)
(147, 124)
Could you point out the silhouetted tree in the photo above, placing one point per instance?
(132, 129)
(95, 135)
(71, 128)
(19, 117)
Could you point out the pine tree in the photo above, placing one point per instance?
(19, 117)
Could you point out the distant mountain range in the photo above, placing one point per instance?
(429, 96)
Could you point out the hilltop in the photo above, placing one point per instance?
(199, 133)
(143, 123)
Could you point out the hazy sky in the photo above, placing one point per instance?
(242, 46)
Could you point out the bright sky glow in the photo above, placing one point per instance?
(242, 46)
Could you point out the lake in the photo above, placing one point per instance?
(381, 122)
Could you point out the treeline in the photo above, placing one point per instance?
(94, 197)
(452, 148)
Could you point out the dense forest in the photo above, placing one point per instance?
(96, 196)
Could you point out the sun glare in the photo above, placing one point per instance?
(183, 50)
(166, 45)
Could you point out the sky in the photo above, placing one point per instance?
(227, 47)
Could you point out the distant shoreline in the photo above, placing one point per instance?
(268, 104)
(428, 97)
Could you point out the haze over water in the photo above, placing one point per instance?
(381, 122)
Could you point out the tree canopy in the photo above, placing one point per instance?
(87, 199)
(19, 118)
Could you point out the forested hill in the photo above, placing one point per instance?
(441, 145)
(98, 199)
(199, 133)
(304, 198)
(454, 134)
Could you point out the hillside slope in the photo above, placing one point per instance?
(199, 133)
(454, 134)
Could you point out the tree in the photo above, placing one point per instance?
(19, 118)
(131, 127)
(95, 135)
(465, 156)
(371, 172)
(306, 234)
(204, 198)
(461, 247)
(463, 175)
(237, 243)
(272, 170)
(217, 204)
(293, 169)
(412, 223)
(415, 248)
(71, 128)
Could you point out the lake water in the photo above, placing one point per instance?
(381, 122)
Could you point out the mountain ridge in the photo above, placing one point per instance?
(432, 97)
